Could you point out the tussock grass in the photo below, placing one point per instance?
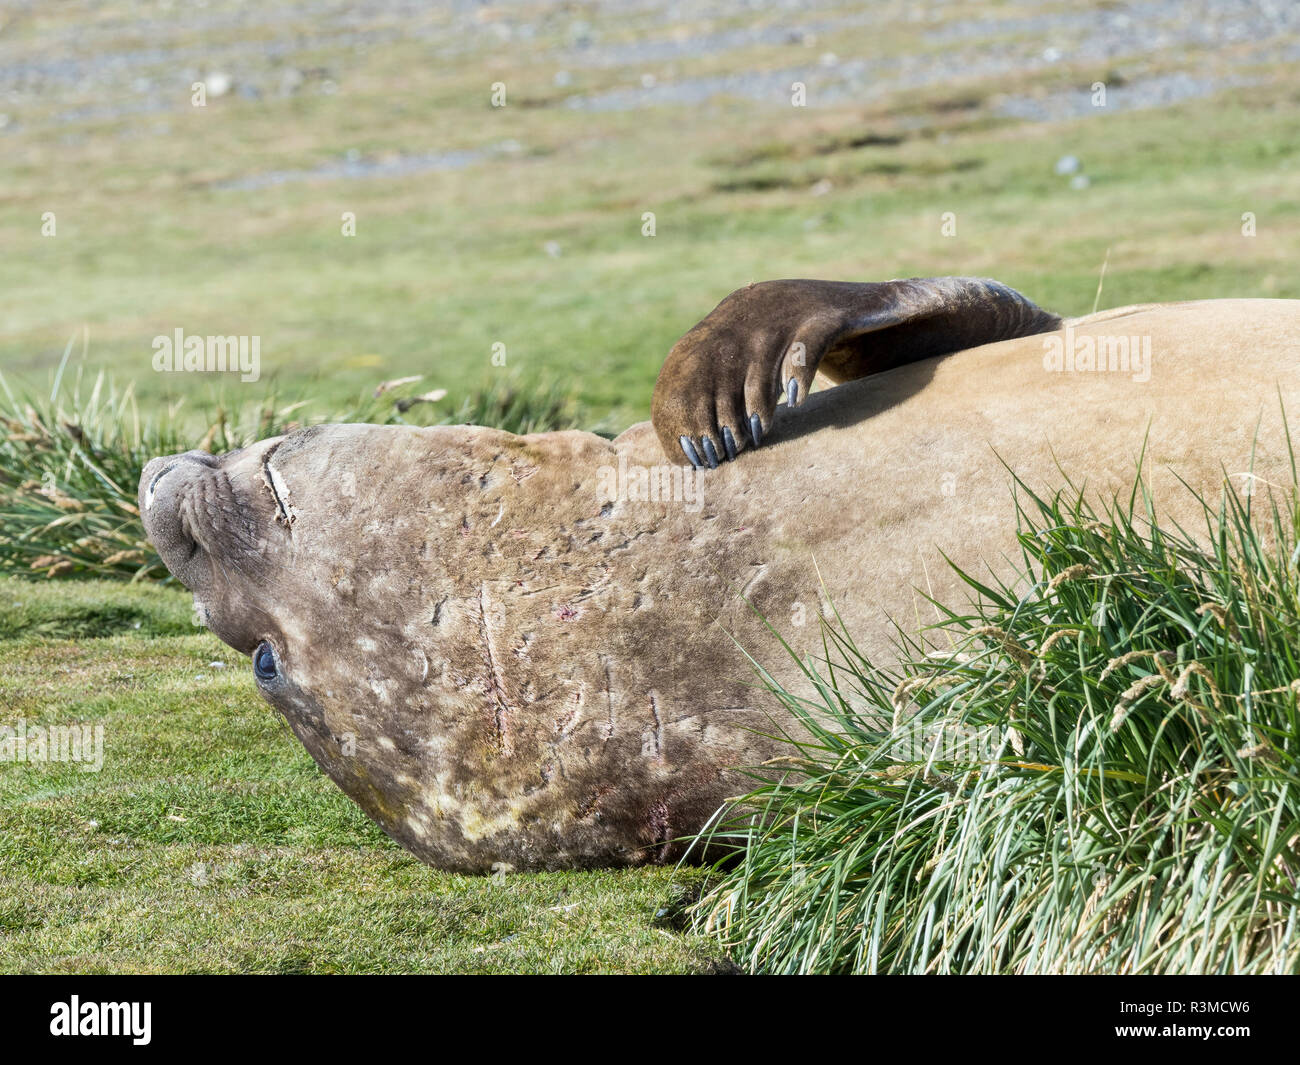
(1101, 776)
(70, 458)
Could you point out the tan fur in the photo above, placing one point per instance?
(502, 665)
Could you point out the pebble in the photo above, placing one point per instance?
(217, 83)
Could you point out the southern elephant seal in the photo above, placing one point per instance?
(519, 649)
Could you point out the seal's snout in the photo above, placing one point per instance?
(168, 486)
(199, 509)
(157, 469)
(209, 517)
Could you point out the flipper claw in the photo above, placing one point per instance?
(729, 442)
(710, 453)
(688, 448)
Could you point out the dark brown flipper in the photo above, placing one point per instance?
(718, 389)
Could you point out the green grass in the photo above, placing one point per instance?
(1101, 774)
(210, 842)
(72, 610)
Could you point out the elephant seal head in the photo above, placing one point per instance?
(430, 609)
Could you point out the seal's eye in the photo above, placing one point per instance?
(264, 665)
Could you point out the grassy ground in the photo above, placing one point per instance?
(209, 841)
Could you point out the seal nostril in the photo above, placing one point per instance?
(153, 484)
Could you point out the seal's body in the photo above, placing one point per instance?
(505, 653)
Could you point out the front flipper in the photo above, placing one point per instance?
(719, 388)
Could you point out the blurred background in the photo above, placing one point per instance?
(127, 212)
